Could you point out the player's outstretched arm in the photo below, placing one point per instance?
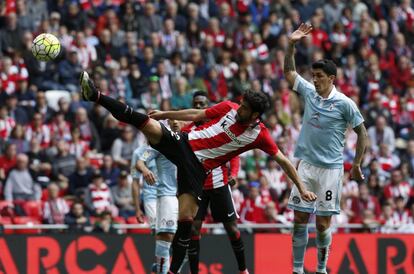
(289, 63)
(290, 170)
(362, 140)
(195, 115)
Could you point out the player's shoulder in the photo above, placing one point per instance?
(228, 104)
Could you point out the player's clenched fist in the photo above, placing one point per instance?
(308, 196)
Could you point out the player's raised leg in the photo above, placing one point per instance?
(124, 113)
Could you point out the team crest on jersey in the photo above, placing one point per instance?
(332, 106)
(145, 155)
(296, 200)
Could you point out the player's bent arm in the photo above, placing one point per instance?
(289, 68)
(182, 115)
(136, 194)
(290, 170)
(361, 144)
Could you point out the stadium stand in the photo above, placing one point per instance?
(223, 47)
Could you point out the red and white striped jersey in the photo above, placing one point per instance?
(6, 126)
(223, 138)
(402, 189)
(219, 176)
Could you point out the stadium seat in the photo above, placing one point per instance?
(53, 96)
(6, 221)
(33, 209)
(133, 220)
(28, 221)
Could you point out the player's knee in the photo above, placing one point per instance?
(165, 236)
(196, 228)
(301, 217)
(322, 226)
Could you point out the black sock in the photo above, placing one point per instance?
(180, 243)
(194, 254)
(123, 112)
(238, 249)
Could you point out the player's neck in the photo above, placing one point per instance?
(325, 94)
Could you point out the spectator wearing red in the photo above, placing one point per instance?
(397, 188)
(59, 127)
(400, 76)
(365, 201)
(86, 52)
(386, 159)
(88, 132)
(55, 208)
(252, 209)
(7, 160)
(386, 56)
(98, 196)
(39, 131)
(7, 123)
(216, 85)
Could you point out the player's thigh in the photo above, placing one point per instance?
(153, 131)
(222, 205)
(295, 201)
(203, 206)
(150, 208)
(167, 214)
(329, 189)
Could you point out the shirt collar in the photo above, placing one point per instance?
(331, 95)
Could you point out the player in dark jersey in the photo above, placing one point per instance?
(231, 130)
(217, 195)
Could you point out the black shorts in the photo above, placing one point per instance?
(221, 205)
(190, 171)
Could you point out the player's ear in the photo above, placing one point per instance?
(255, 115)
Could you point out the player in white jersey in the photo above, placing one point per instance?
(231, 130)
(328, 113)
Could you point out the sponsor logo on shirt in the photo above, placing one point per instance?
(232, 136)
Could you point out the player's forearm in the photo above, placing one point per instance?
(141, 167)
(290, 170)
(361, 143)
(289, 62)
(136, 200)
(185, 115)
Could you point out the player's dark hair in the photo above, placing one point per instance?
(258, 101)
(200, 93)
(327, 66)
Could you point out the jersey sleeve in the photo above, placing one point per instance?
(220, 109)
(302, 86)
(267, 144)
(148, 155)
(352, 114)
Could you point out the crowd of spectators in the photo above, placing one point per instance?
(72, 157)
